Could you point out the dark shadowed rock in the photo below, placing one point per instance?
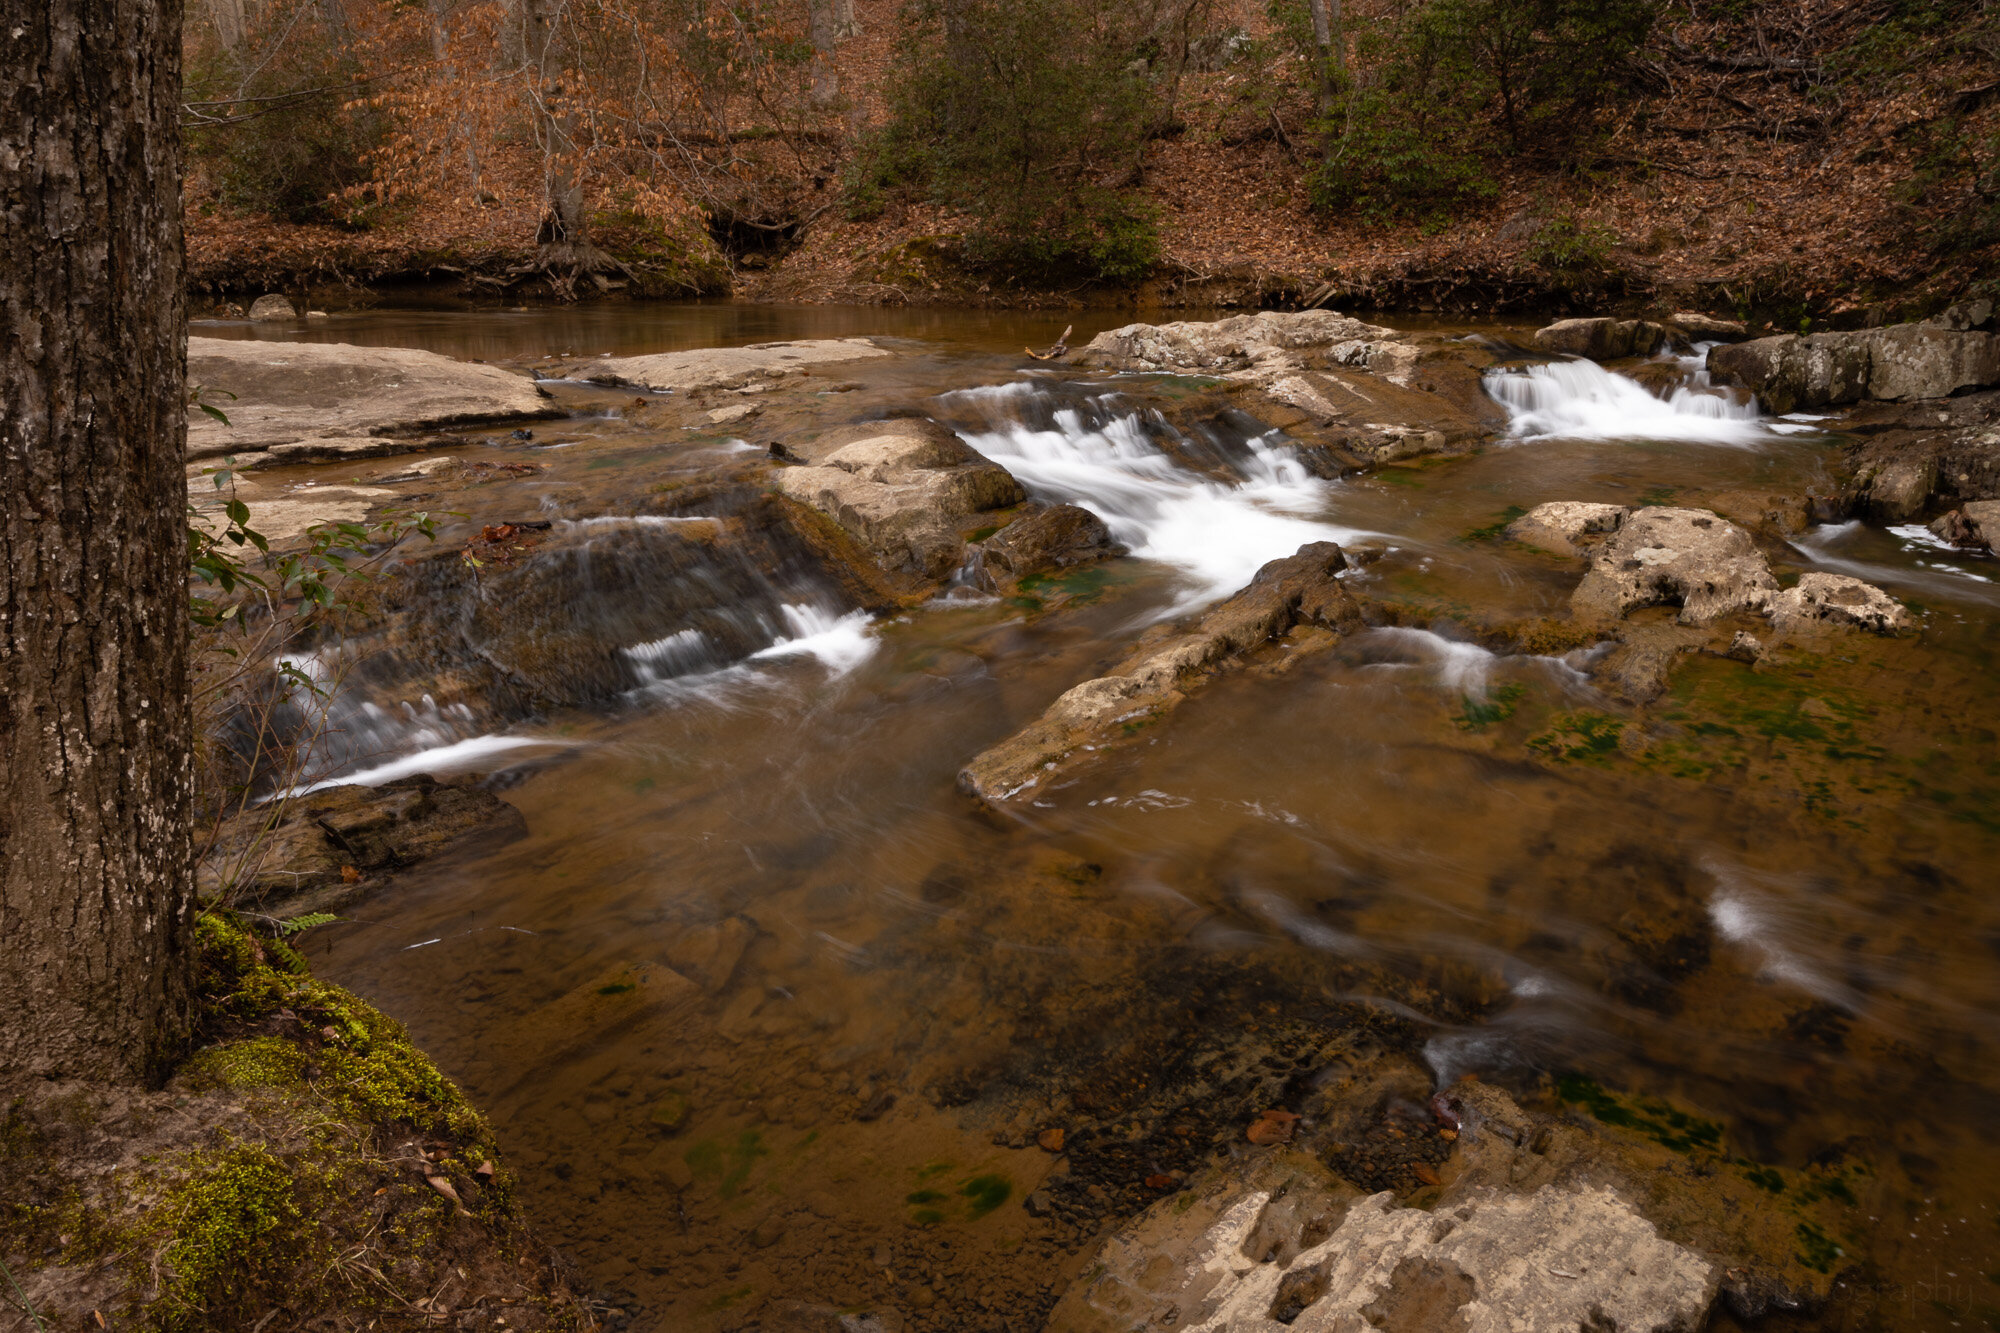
(1050, 537)
(1974, 524)
(1898, 363)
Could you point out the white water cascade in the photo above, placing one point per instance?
(1581, 400)
(1099, 454)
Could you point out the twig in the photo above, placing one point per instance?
(26, 1304)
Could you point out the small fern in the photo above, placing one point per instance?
(294, 925)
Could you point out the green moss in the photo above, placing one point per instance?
(986, 1193)
(924, 1196)
(1494, 531)
(1579, 736)
(253, 1063)
(1666, 1125)
(1816, 1250)
(728, 1164)
(239, 1219)
(1497, 706)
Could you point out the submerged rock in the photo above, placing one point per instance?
(902, 488)
(316, 852)
(1298, 590)
(1602, 339)
(1707, 328)
(293, 393)
(1691, 558)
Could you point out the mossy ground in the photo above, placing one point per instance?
(306, 1160)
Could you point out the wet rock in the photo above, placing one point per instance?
(901, 488)
(1601, 339)
(1298, 590)
(1910, 458)
(1050, 537)
(1901, 362)
(287, 393)
(1367, 392)
(708, 954)
(1839, 600)
(1687, 557)
(1973, 524)
(735, 412)
(271, 309)
(1639, 666)
(725, 367)
(1561, 526)
(297, 864)
(1901, 488)
(1707, 328)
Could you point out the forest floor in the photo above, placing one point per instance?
(1788, 187)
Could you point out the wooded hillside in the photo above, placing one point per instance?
(1800, 160)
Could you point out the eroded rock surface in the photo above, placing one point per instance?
(725, 367)
(1298, 590)
(1839, 599)
(324, 397)
(1370, 392)
(1933, 359)
(902, 488)
(1691, 558)
(1049, 537)
(1560, 525)
(1973, 524)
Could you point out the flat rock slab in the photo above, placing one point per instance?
(724, 367)
(290, 393)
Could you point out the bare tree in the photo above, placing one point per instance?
(96, 877)
(1331, 56)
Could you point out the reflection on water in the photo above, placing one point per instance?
(1772, 902)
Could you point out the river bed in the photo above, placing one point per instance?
(1776, 911)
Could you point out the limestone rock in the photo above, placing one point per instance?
(1560, 525)
(1965, 316)
(1840, 600)
(735, 412)
(1707, 328)
(1901, 362)
(1241, 342)
(1901, 488)
(1687, 557)
(1050, 537)
(902, 489)
(1601, 339)
(1976, 523)
(288, 393)
(270, 309)
(1300, 589)
(725, 367)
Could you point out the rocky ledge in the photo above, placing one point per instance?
(1366, 393)
(1299, 592)
(295, 402)
(1933, 359)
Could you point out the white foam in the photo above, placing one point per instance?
(1218, 534)
(841, 643)
(1747, 918)
(1581, 400)
(627, 521)
(463, 756)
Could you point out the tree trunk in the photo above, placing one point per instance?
(1329, 57)
(96, 757)
(825, 26)
(229, 21)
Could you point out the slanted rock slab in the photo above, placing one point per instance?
(1601, 339)
(288, 393)
(724, 367)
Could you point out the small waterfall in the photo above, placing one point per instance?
(1581, 400)
(1124, 465)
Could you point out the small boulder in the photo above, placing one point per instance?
(1692, 558)
(1559, 526)
(1050, 537)
(271, 309)
(1707, 328)
(1601, 339)
(1974, 524)
(1838, 599)
(1965, 317)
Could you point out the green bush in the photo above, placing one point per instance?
(1028, 115)
(1449, 86)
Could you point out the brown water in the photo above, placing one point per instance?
(1773, 903)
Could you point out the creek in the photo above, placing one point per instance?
(1783, 917)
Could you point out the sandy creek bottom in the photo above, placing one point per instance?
(1780, 911)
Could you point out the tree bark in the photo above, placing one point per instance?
(229, 21)
(1330, 56)
(825, 33)
(96, 766)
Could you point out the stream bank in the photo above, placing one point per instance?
(785, 1031)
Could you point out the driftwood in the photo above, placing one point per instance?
(1058, 351)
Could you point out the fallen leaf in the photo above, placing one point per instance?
(1051, 1139)
(1448, 1134)
(444, 1187)
(1271, 1128)
(1423, 1172)
(485, 1170)
(349, 875)
(1161, 1182)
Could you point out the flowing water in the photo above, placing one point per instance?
(1781, 915)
